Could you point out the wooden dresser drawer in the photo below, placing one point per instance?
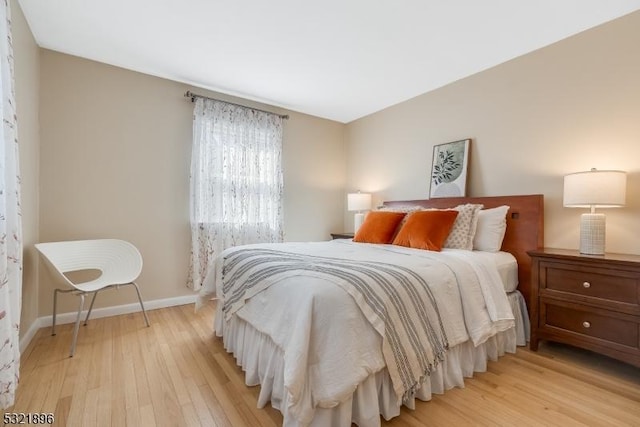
(591, 282)
(590, 301)
(589, 324)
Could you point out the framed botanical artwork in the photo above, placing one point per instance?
(449, 169)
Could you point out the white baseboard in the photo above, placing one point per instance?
(63, 318)
(31, 332)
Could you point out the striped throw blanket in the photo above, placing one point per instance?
(396, 301)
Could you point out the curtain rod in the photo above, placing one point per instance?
(193, 96)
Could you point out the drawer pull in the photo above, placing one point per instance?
(586, 285)
(586, 324)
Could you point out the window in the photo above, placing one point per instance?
(236, 181)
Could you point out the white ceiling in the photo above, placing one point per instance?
(336, 59)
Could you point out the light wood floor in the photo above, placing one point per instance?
(175, 373)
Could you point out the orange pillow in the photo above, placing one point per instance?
(426, 229)
(378, 227)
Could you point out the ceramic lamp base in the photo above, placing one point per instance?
(592, 233)
(358, 220)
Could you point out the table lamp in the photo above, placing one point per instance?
(358, 202)
(591, 189)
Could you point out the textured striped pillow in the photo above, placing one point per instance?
(464, 228)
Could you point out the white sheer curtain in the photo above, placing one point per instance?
(10, 223)
(236, 182)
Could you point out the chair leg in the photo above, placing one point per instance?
(55, 307)
(95, 294)
(146, 319)
(76, 327)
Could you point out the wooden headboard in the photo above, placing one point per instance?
(525, 226)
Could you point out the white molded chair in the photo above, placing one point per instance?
(119, 262)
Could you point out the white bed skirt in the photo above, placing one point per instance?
(262, 362)
(519, 308)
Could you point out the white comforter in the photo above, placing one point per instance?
(329, 346)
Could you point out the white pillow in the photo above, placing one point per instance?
(399, 208)
(492, 224)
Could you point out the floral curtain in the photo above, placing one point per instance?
(10, 222)
(236, 182)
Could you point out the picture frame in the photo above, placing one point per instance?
(449, 169)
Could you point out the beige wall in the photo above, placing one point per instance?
(27, 72)
(314, 174)
(565, 108)
(115, 159)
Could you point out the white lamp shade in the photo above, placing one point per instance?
(595, 188)
(358, 201)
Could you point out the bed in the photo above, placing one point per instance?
(304, 319)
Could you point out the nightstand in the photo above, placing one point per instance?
(588, 301)
(342, 235)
